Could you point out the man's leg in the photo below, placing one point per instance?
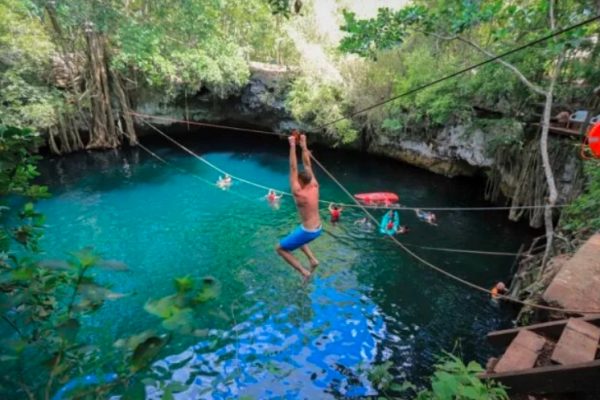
(311, 257)
(293, 261)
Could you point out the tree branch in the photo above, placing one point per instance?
(535, 88)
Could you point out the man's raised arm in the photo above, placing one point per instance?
(306, 157)
(294, 184)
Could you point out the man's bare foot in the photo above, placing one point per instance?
(314, 263)
(306, 277)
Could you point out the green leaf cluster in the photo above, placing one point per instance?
(583, 213)
(177, 311)
(316, 102)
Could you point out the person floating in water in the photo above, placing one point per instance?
(426, 216)
(498, 290)
(364, 224)
(305, 190)
(403, 230)
(274, 199)
(224, 182)
(335, 211)
(272, 196)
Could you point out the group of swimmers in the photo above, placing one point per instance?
(390, 223)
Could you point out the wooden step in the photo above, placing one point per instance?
(577, 344)
(522, 352)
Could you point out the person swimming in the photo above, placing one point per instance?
(335, 211)
(364, 224)
(272, 196)
(498, 290)
(426, 216)
(224, 182)
(403, 230)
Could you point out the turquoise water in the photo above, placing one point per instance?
(267, 335)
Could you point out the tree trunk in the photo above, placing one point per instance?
(552, 192)
(103, 131)
(125, 106)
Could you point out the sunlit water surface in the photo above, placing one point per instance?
(267, 335)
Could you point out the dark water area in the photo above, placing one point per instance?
(267, 335)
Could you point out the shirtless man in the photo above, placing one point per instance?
(306, 195)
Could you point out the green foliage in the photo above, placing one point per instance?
(26, 51)
(583, 213)
(177, 311)
(453, 379)
(43, 302)
(429, 39)
(312, 101)
(388, 29)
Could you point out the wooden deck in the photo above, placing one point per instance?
(573, 367)
(577, 284)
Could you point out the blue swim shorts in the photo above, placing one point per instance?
(299, 237)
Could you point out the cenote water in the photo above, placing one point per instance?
(267, 335)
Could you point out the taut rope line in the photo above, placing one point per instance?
(442, 271)
(400, 244)
(144, 117)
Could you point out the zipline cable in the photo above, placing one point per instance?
(145, 117)
(400, 244)
(442, 271)
(323, 201)
(467, 69)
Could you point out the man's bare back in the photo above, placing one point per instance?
(305, 189)
(307, 202)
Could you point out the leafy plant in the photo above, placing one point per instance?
(453, 379)
(177, 310)
(582, 213)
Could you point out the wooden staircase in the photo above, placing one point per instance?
(555, 357)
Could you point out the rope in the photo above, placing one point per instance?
(201, 179)
(490, 253)
(400, 244)
(322, 201)
(184, 121)
(462, 71)
(143, 118)
(442, 271)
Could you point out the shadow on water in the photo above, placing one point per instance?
(267, 337)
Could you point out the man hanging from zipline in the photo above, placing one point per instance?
(306, 195)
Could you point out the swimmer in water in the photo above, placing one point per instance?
(403, 230)
(498, 290)
(272, 196)
(335, 211)
(224, 182)
(426, 216)
(364, 224)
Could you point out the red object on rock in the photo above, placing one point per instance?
(377, 198)
(594, 140)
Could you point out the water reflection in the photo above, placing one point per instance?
(320, 346)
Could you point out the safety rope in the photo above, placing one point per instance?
(449, 250)
(464, 70)
(153, 154)
(144, 118)
(442, 271)
(395, 240)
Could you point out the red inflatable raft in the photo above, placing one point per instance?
(377, 198)
(594, 140)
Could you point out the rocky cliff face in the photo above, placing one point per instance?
(261, 104)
